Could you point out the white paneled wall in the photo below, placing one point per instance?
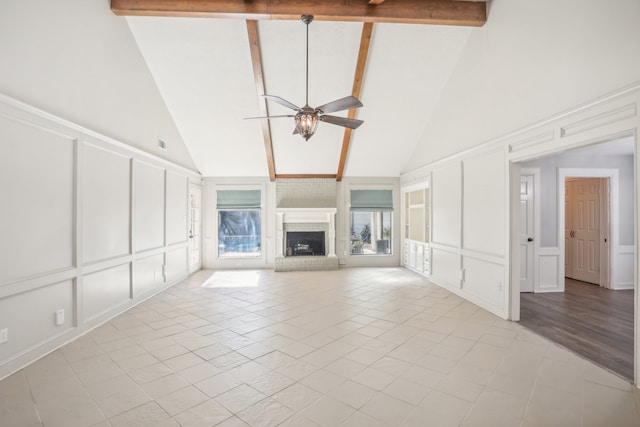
(149, 206)
(446, 191)
(484, 204)
(35, 160)
(88, 225)
(469, 229)
(475, 219)
(105, 290)
(177, 207)
(105, 198)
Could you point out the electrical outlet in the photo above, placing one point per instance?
(499, 286)
(4, 335)
(60, 317)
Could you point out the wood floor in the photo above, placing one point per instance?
(594, 322)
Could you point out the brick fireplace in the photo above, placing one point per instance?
(305, 220)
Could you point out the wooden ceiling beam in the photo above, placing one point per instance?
(438, 12)
(304, 176)
(365, 41)
(256, 60)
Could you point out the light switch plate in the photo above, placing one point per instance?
(59, 317)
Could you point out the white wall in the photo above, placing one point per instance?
(77, 60)
(83, 229)
(468, 246)
(531, 61)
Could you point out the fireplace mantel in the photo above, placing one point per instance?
(306, 215)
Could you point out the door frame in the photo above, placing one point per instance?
(535, 172)
(194, 188)
(608, 258)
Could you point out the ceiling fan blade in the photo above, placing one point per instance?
(342, 121)
(268, 117)
(345, 103)
(281, 101)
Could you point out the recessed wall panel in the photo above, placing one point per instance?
(105, 200)
(484, 280)
(148, 274)
(30, 317)
(445, 268)
(36, 190)
(177, 196)
(104, 290)
(149, 206)
(446, 187)
(177, 268)
(548, 266)
(484, 222)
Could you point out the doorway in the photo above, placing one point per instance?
(585, 231)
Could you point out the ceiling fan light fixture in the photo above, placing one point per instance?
(306, 123)
(307, 118)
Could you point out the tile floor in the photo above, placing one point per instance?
(353, 347)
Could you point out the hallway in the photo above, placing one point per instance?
(594, 322)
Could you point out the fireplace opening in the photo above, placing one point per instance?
(305, 243)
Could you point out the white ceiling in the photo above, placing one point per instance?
(203, 70)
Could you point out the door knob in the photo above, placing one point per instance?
(530, 239)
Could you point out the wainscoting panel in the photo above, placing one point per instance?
(484, 204)
(177, 265)
(549, 279)
(177, 196)
(446, 190)
(148, 206)
(106, 203)
(30, 318)
(484, 282)
(148, 274)
(105, 290)
(445, 268)
(623, 276)
(36, 232)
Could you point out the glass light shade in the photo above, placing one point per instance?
(306, 124)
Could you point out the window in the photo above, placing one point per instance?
(371, 222)
(239, 223)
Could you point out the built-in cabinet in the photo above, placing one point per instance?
(417, 230)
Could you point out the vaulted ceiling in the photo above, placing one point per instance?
(212, 61)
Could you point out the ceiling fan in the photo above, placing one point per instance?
(307, 118)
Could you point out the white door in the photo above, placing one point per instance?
(583, 232)
(195, 228)
(526, 233)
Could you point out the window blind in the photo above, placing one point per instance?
(371, 200)
(238, 199)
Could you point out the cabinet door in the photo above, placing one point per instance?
(419, 258)
(412, 255)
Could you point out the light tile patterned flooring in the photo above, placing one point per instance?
(353, 347)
